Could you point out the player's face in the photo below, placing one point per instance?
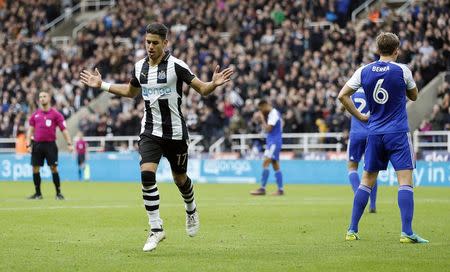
(154, 45)
(44, 99)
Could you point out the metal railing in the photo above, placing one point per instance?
(82, 7)
(291, 141)
(99, 143)
(364, 7)
(407, 4)
(431, 140)
(7, 145)
(305, 142)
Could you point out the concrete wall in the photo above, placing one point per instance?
(100, 104)
(423, 106)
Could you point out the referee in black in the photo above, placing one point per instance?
(159, 79)
(42, 129)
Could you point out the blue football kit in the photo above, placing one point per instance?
(385, 85)
(274, 138)
(358, 129)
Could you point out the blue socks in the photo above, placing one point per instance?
(359, 204)
(353, 177)
(373, 196)
(354, 180)
(279, 178)
(265, 177)
(406, 205)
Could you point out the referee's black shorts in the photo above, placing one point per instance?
(44, 151)
(152, 148)
(81, 158)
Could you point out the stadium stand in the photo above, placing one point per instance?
(296, 54)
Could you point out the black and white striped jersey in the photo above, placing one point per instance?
(162, 92)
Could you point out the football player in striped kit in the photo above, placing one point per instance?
(159, 77)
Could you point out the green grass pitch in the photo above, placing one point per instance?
(103, 226)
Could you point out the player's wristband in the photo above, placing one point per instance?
(105, 86)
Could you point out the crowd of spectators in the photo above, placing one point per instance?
(440, 116)
(296, 54)
(29, 63)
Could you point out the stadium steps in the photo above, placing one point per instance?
(100, 104)
(66, 28)
(360, 14)
(422, 108)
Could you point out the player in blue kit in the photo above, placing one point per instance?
(274, 141)
(387, 85)
(357, 145)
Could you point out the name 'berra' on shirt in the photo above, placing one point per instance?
(380, 69)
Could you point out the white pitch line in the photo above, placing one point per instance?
(231, 203)
(64, 207)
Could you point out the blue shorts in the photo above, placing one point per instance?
(273, 151)
(356, 147)
(394, 147)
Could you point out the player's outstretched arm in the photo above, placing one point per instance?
(344, 97)
(205, 88)
(94, 80)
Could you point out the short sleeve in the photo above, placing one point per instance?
(409, 80)
(60, 122)
(273, 118)
(32, 121)
(183, 72)
(355, 81)
(134, 80)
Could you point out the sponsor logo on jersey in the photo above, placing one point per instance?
(156, 91)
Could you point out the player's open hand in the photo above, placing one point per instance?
(222, 77)
(91, 79)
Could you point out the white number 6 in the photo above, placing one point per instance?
(380, 95)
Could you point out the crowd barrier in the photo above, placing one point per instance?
(124, 167)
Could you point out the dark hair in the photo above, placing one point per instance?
(158, 29)
(387, 43)
(262, 102)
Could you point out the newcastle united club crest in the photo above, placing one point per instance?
(161, 75)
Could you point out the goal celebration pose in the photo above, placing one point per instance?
(159, 78)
